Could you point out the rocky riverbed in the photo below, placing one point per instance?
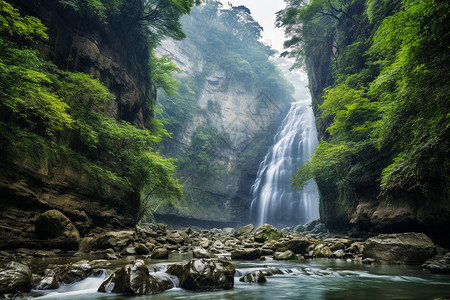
(214, 253)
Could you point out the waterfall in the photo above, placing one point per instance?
(274, 200)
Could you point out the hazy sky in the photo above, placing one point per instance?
(263, 11)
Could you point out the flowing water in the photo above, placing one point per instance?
(311, 279)
(274, 199)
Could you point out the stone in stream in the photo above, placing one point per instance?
(286, 255)
(81, 270)
(134, 279)
(207, 274)
(53, 224)
(16, 277)
(160, 253)
(266, 233)
(254, 277)
(438, 264)
(49, 281)
(409, 248)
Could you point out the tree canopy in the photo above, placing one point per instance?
(382, 98)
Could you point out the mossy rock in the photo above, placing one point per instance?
(267, 233)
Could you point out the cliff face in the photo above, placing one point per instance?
(246, 120)
(113, 54)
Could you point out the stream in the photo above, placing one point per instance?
(308, 279)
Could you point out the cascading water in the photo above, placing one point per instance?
(274, 200)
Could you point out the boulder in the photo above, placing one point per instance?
(286, 255)
(16, 277)
(204, 243)
(244, 231)
(337, 254)
(322, 251)
(218, 245)
(266, 233)
(160, 253)
(254, 277)
(299, 245)
(438, 264)
(199, 252)
(49, 281)
(86, 244)
(207, 274)
(81, 270)
(134, 279)
(175, 270)
(53, 224)
(409, 248)
(356, 247)
(175, 239)
(246, 254)
(116, 240)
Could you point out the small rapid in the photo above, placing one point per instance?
(310, 279)
(274, 199)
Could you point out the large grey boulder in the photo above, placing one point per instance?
(53, 224)
(116, 240)
(409, 248)
(16, 277)
(299, 245)
(134, 279)
(207, 274)
(244, 231)
(267, 233)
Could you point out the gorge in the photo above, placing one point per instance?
(160, 148)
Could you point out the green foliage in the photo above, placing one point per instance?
(63, 114)
(12, 24)
(206, 143)
(386, 111)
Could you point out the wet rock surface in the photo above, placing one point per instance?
(208, 270)
(438, 264)
(207, 274)
(254, 277)
(16, 277)
(410, 247)
(267, 233)
(134, 279)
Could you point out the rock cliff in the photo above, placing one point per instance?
(246, 120)
(115, 53)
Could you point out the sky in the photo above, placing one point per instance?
(263, 11)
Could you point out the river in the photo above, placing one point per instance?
(308, 279)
